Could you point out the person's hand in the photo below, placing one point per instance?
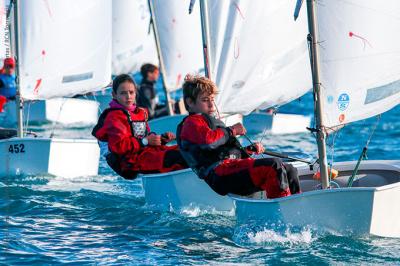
(154, 140)
(238, 129)
(167, 137)
(257, 148)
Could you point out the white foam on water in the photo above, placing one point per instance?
(196, 211)
(287, 237)
(95, 183)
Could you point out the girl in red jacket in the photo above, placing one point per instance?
(211, 149)
(133, 148)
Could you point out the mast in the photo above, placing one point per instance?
(19, 103)
(160, 58)
(312, 27)
(206, 37)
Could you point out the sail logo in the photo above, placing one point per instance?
(343, 101)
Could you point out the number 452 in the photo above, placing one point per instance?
(16, 148)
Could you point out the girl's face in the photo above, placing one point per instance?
(126, 94)
(204, 104)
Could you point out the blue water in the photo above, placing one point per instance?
(104, 219)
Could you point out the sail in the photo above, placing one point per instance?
(3, 26)
(258, 53)
(359, 58)
(179, 35)
(65, 47)
(132, 42)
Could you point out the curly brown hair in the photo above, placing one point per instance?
(195, 85)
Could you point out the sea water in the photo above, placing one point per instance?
(103, 220)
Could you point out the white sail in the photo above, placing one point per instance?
(180, 40)
(3, 40)
(359, 58)
(258, 53)
(132, 42)
(65, 47)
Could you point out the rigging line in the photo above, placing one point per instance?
(363, 154)
(274, 110)
(9, 9)
(28, 115)
(58, 118)
(378, 118)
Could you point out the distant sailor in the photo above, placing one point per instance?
(212, 151)
(133, 148)
(8, 88)
(147, 97)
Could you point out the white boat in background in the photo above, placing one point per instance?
(64, 111)
(279, 123)
(286, 56)
(50, 64)
(356, 76)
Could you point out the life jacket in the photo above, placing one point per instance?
(9, 88)
(202, 161)
(138, 130)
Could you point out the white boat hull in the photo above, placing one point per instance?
(181, 189)
(276, 123)
(368, 208)
(65, 111)
(59, 157)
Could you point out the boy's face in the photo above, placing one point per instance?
(153, 76)
(126, 94)
(204, 104)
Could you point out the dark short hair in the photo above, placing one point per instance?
(121, 79)
(146, 68)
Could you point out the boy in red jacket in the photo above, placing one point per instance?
(133, 147)
(211, 149)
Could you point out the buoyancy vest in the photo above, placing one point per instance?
(9, 88)
(138, 129)
(203, 160)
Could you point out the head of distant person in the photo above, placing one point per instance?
(199, 95)
(150, 72)
(124, 90)
(9, 66)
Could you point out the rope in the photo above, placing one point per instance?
(363, 154)
(58, 117)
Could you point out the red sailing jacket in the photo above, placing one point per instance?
(133, 156)
(205, 141)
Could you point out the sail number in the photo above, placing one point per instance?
(16, 148)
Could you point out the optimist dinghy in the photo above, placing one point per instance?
(356, 76)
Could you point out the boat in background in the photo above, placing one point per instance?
(355, 76)
(63, 111)
(50, 64)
